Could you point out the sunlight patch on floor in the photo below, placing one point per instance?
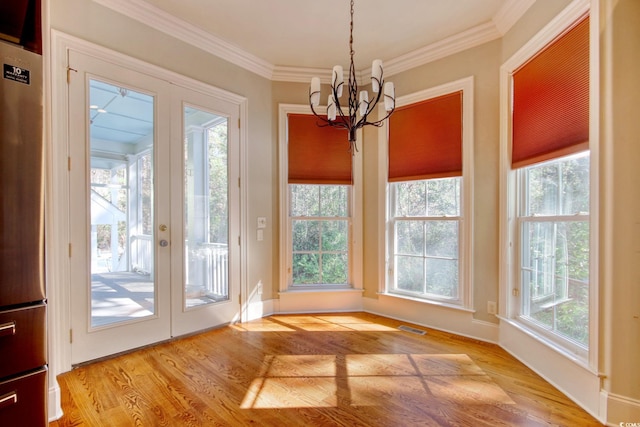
(265, 326)
(468, 390)
(315, 381)
(303, 392)
(314, 323)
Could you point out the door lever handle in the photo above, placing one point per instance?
(8, 400)
(8, 329)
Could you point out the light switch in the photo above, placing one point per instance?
(260, 235)
(262, 222)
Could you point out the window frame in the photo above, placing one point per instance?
(521, 314)
(355, 245)
(348, 218)
(509, 268)
(424, 220)
(466, 221)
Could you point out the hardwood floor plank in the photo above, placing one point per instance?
(353, 369)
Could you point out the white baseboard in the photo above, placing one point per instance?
(54, 405)
(258, 309)
(622, 411)
(569, 376)
(319, 301)
(446, 319)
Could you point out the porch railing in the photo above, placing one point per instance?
(208, 269)
(142, 253)
(207, 265)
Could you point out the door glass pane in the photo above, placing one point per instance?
(121, 203)
(206, 208)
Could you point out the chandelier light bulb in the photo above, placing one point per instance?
(364, 102)
(331, 108)
(376, 75)
(337, 82)
(314, 94)
(389, 96)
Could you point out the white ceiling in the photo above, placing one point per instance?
(281, 38)
(315, 33)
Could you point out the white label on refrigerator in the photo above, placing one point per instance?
(17, 74)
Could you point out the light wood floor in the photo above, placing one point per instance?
(351, 369)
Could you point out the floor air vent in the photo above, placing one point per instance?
(412, 330)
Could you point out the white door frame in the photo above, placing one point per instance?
(57, 192)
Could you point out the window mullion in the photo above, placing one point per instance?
(425, 271)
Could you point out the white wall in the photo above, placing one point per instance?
(620, 208)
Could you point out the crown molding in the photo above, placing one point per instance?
(160, 20)
(443, 48)
(304, 75)
(457, 43)
(300, 74)
(564, 19)
(510, 12)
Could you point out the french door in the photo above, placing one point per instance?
(154, 212)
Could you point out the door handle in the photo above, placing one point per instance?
(8, 329)
(164, 243)
(163, 227)
(8, 400)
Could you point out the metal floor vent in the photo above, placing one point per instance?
(412, 330)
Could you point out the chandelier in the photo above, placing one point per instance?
(359, 108)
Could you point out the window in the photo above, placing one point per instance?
(426, 230)
(430, 152)
(549, 190)
(554, 236)
(320, 224)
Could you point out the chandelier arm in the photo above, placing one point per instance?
(340, 115)
(370, 107)
(379, 122)
(313, 110)
(380, 83)
(328, 123)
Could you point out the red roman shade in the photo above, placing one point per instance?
(425, 139)
(551, 100)
(317, 155)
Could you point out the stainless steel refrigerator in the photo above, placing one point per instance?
(23, 361)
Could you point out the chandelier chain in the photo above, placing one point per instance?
(351, 52)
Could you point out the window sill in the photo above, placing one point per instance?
(428, 302)
(580, 360)
(318, 290)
